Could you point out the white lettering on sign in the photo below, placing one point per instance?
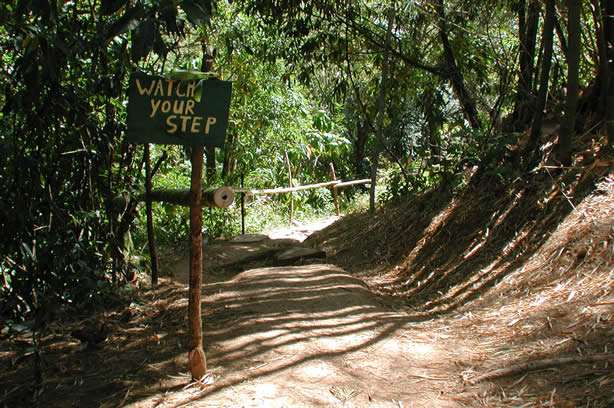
(167, 88)
(210, 121)
(191, 124)
(182, 117)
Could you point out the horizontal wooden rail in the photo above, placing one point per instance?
(335, 184)
(352, 183)
(280, 190)
(220, 197)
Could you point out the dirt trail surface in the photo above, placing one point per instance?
(311, 335)
(493, 299)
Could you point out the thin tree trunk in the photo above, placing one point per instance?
(242, 206)
(608, 24)
(456, 77)
(538, 115)
(561, 36)
(381, 110)
(362, 135)
(207, 66)
(362, 131)
(568, 125)
(528, 19)
(602, 75)
(153, 253)
(227, 163)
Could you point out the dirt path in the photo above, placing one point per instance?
(311, 335)
(305, 333)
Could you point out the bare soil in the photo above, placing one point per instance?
(501, 296)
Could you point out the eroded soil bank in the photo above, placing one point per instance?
(443, 309)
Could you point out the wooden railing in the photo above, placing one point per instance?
(223, 197)
(335, 184)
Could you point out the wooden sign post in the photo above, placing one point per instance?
(184, 109)
(198, 361)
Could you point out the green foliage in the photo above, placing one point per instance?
(306, 76)
(501, 148)
(267, 213)
(63, 70)
(321, 201)
(356, 203)
(171, 225)
(501, 174)
(502, 144)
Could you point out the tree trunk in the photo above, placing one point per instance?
(561, 36)
(151, 239)
(432, 101)
(362, 130)
(381, 111)
(608, 28)
(362, 135)
(602, 47)
(207, 66)
(528, 19)
(454, 74)
(227, 163)
(538, 116)
(568, 125)
(335, 191)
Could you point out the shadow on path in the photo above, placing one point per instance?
(315, 336)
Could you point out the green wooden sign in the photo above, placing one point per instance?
(189, 112)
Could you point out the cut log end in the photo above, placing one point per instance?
(223, 197)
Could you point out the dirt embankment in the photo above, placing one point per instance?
(501, 296)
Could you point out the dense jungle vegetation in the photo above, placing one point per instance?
(416, 92)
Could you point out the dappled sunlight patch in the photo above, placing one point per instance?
(413, 350)
(267, 391)
(315, 369)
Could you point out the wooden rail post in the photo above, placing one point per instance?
(290, 185)
(335, 191)
(242, 205)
